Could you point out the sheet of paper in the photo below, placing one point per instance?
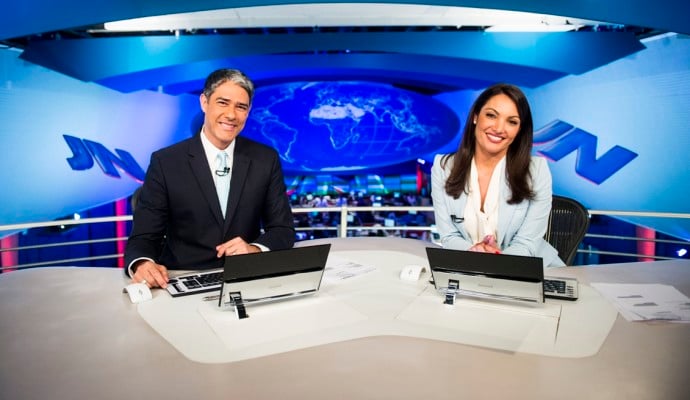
(643, 302)
(281, 326)
(339, 269)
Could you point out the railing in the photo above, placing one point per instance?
(342, 226)
(611, 213)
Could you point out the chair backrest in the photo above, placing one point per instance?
(568, 224)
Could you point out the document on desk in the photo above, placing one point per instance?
(646, 302)
(339, 269)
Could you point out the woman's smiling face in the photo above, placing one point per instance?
(496, 126)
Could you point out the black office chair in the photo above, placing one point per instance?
(568, 224)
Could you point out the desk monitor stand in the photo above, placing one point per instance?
(453, 286)
(240, 310)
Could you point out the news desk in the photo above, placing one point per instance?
(70, 333)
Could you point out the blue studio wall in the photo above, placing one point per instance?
(640, 104)
(52, 128)
(616, 136)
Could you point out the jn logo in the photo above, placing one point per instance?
(558, 139)
(86, 151)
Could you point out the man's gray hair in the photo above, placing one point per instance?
(218, 77)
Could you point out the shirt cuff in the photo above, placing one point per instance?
(129, 267)
(261, 247)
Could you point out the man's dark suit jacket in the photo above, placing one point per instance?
(178, 221)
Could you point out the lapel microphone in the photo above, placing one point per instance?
(456, 219)
(223, 172)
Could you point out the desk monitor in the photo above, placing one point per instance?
(270, 276)
(496, 276)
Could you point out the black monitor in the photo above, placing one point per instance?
(496, 276)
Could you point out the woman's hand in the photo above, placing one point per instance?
(487, 245)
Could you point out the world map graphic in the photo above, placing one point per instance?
(342, 126)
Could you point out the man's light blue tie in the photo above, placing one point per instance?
(222, 180)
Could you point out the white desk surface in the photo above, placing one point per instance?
(379, 303)
(69, 333)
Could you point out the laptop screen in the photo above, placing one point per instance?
(498, 276)
(274, 275)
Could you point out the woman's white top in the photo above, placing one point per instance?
(480, 223)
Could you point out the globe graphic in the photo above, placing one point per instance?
(344, 126)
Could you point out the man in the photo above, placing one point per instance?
(179, 221)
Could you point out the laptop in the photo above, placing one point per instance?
(296, 268)
(272, 276)
(498, 276)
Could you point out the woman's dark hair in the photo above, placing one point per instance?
(517, 158)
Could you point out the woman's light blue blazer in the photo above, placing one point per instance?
(521, 227)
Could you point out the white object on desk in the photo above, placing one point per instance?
(411, 272)
(138, 292)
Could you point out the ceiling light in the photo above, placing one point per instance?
(335, 14)
(532, 28)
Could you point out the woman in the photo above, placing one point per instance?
(491, 195)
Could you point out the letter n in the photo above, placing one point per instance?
(107, 161)
(587, 165)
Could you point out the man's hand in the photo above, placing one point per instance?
(154, 275)
(235, 246)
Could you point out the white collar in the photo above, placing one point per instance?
(212, 151)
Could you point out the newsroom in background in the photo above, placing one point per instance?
(322, 191)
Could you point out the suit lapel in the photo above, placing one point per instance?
(457, 208)
(200, 169)
(505, 211)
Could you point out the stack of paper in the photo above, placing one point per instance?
(643, 302)
(339, 269)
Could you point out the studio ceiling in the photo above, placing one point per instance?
(307, 42)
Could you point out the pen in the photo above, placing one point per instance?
(211, 298)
